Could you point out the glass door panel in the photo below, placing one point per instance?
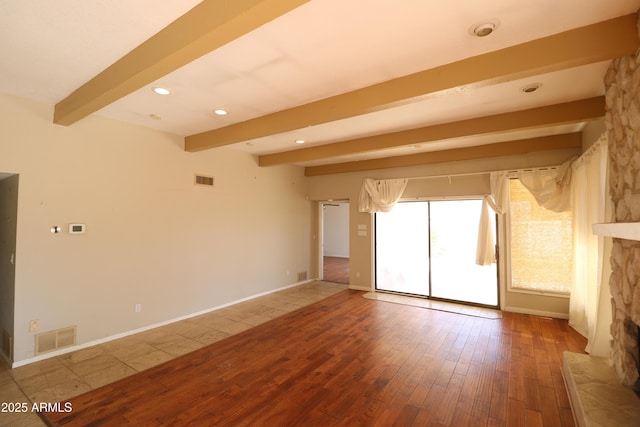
(402, 249)
(454, 236)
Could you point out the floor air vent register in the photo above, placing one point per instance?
(55, 340)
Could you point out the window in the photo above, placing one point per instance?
(541, 244)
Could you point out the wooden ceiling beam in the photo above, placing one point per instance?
(510, 148)
(590, 44)
(559, 114)
(206, 27)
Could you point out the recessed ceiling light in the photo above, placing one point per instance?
(299, 141)
(220, 112)
(483, 29)
(530, 88)
(161, 90)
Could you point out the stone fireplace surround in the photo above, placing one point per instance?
(622, 84)
(600, 389)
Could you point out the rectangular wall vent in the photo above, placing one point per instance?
(54, 340)
(204, 180)
(302, 276)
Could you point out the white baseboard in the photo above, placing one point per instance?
(537, 312)
(146, 328)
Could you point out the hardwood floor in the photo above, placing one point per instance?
(350, 361)
(335, 269)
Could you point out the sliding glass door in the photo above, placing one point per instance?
(402, 252)
(428, 249)
(454, 272)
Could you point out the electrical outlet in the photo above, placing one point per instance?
(34, 326)
(138, 308)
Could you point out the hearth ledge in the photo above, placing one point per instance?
(597, 397)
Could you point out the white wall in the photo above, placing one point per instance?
(153, 238)
(336, 230)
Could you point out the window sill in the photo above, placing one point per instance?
(539, 293)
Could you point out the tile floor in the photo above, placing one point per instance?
(62, 377)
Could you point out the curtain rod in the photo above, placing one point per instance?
(601, 140)
(453, 175)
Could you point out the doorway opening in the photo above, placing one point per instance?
(335, 242)
(428, 249)
(8, 230)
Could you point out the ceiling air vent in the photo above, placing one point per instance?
(204, 180)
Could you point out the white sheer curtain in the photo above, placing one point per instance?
(579, 185)
(588, 190)
(498, 201)
(380, 195)
(550, 188)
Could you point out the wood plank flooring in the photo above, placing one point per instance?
(335, 269)
(349, 361)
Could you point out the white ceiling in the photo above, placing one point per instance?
(323, 48)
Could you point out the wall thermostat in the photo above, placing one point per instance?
(76, 228)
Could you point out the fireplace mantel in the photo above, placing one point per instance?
(620, 230)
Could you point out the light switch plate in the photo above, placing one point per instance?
(77, 228)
